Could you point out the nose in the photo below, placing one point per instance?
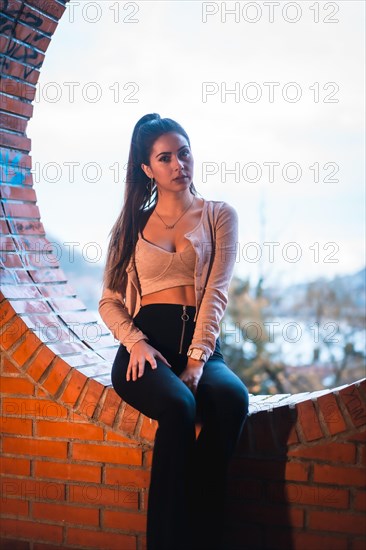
(179, 163)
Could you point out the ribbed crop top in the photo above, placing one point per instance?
(159, 269)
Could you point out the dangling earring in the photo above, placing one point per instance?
(151, 186)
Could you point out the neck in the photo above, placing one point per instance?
(174, 203)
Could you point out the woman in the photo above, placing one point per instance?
(169, 263)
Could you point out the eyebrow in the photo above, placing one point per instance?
(169, 152)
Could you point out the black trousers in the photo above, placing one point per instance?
(188, 475)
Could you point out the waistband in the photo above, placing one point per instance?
(167, 305)
(168, 309)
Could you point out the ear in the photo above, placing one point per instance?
(147, 170)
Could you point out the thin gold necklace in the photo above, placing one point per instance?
(174, 224)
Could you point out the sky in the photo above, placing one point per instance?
(271, 95)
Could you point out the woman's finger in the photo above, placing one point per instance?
(129, 367)
(158, 354)
(151, 359)
(131, 371)
(141, 368)
(135, 369)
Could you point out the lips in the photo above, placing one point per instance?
(181, 178)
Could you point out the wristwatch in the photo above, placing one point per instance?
(197, 353)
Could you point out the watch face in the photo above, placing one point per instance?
(197, 354)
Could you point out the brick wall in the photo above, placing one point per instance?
(75, 458)
(76, 463)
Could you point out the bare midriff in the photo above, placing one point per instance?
(176, 295)
(155, 233)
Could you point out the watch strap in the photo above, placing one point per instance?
(202, 355)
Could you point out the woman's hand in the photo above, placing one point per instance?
(140, 352)
(192, 374)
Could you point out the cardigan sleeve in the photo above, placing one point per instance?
(112, 310)
(215, 295)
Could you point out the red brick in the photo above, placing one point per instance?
(13, 87)
(19, 426)
(296, 471)
(324, 473)
(7, 367)
(40, 363)
(13, 332)
(148, 428)
(30, 489)
(306, 494)
(31, 529)
(38, 408)
(18, 107)
(74, 417)
(358, 543)
(91, 398)
(11, 140)
(15, 507)
(26, 348)
(355, 404)
(337, 522)
(129, 521)
(307, 541)
(62, 470)
(362, 455)
(112, 436)
(127, 477)
(7, 313)
(24, 446)
(17, 386)
(57, 375)
(67, 514)
(99, 539)
(110, 407)
(308, 418)
(331, 452)
(69, 430)
(98, 495)
(129, 419)
(107, 453)
(56, 10)
(332, 414)
(18, 466)
(47, 26)
(74, 387)
(359, 502)
(359, 436)
(147, 456)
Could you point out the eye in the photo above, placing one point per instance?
(164, 158)
(185, 153)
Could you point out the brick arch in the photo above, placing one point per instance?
(68, 440)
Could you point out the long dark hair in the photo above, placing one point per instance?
(138, 205)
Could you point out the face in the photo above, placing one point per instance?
(171, 163)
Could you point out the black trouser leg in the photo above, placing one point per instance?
(188, 477)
